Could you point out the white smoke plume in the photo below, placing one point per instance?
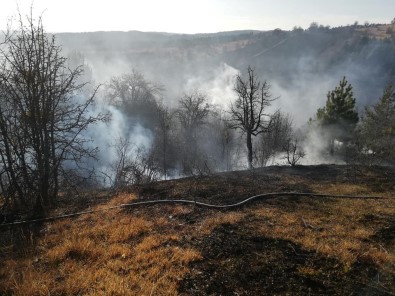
(217, 84)
(106, 135)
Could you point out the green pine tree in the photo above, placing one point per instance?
(340, 106)
(378, 127)
(339, 116)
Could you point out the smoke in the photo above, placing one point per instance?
(217, 84)
(315, 145)
(106, 135)
(300, 71)
(302, 97)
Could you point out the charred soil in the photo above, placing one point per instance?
(284, 245)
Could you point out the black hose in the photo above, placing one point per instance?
(184, 201)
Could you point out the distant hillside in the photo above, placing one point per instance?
(378, 31)
(302, 65)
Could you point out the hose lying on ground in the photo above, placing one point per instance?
(191, 202)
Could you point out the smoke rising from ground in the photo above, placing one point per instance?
(301, 68)
(217, 84)
(107, 135)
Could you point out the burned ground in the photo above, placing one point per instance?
(285, 245)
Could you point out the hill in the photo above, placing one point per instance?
(301, 65)
(382, 31)
(284, 245)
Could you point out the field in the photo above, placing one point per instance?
(282, 245)
(378, 31)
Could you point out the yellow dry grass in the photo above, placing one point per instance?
(379, 31)
(208, 224)
(333, 227)
(108, 253)
(146, 251)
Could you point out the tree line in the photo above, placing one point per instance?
(45, 109)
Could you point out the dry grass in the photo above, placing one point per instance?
(110, 253)
(208, 224)
(378, 31)
(149, 251)
(333, 228)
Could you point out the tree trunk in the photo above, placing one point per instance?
(164, 153)
(332, 146)
(249, 147)
(39, 209)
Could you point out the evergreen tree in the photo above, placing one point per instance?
(340, 106)
(339, 116)
(378, 127)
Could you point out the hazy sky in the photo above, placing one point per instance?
(203, 16)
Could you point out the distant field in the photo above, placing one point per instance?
(379, 31)
(285, 245)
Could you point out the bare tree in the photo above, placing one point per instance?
(136, 97)
(165, 118)
(247, 112)
(193, 111)
(133, 165)
(192, 114)
(131, 88)
(225, 138)
(42, 117)
(274, 140)
(293, 152)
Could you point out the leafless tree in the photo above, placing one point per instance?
(193, 111)
(219, 139)
(136, 97)
(192, 114)
(133, 165)
(163, 135)
(42, 117)
(132, 87)
(247, 112)
(293, 152)
(274, 140)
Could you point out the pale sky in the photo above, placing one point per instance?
(203, 16)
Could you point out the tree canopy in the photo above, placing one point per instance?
(340, 106)
(43, 114)
(247, 113)
(378, 127)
